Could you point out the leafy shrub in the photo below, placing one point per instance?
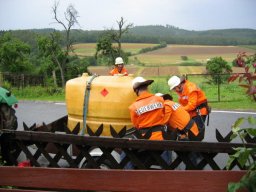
(148, 49)
(248, 62)
(245, 156)
(217, 66)
(184, 58)
(6, 85)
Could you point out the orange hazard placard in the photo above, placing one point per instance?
(104, 92)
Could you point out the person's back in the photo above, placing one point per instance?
(147, 112)
(178, 118)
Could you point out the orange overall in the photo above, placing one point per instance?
(116, 72)
(148, 111)
(177, 117)
(191, 97)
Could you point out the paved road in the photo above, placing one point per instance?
(39, 112)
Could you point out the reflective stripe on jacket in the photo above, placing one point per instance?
(191, 97)
(148, 111)
(177, 117)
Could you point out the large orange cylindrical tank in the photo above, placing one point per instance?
(109, 99)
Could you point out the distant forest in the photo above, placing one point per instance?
(153, 34)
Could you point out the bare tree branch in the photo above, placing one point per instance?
(54, 9)
(117, 35)
(70, 20)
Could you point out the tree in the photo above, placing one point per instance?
(116, 35)
(217, 66)
(78, 66)
(14, 55)
(71, 16)
(105, 52)
(50, 49)
(105, 49)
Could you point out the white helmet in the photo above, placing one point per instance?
(173, 82)
(119, 60)
(159, 94)
(139, 81)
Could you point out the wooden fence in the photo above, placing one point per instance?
(49, 179)
(21, 80)
(58, 149)
(61, 160)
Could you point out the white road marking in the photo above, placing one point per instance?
(60, 103)
(213, 111)
(236, 112)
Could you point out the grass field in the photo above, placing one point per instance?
(162, 63)
(171, 55)
(167, 60)
(89, 49)
(230, 96)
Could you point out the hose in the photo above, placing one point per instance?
(86, 102)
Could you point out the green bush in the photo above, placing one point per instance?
(184, 57)
(245, 156)
(217, 67)
(6, 85)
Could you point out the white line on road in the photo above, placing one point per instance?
(214, 111)
(60, 103)
(237, 112)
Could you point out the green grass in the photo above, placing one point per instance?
(232, 97)
(39, 93)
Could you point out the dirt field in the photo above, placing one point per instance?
(172, 54)
(198, 50)
(163, 62)
(158, 71)
(105, 70)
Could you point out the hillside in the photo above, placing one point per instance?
(174, 35)
(156, 34)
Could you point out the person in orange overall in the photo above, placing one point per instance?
(119, 68)
(176, 117)
(193, 99)
(147, 112)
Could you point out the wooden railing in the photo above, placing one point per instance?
(49, 179)
(74, 151)
(54, 147)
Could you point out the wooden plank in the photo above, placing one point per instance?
(21, 190)
(196, 146)
(118, 180)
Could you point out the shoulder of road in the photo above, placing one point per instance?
(252, 111)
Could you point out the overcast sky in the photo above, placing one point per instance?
(103, 14)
